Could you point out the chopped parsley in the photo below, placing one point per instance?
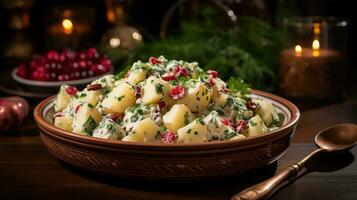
(189, 131)
(80, 95)
(159, 88)
(200, 121)
(91, 106)
(187, 120)
(121, 97)
(228, 135)
(89, 125)
(237, 85)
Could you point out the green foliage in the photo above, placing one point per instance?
(249, 51)
(237, 85)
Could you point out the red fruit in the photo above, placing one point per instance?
(106, 63)
(251, 105)
(63, 77)
(22, 71)
(162, 106)
(40, 74)
(168, 137)
(213, 73)
(82, 55)
(75, 75)
(180, 70)
(84, 74)
(212, 81)
(137, 92)
(177, 92)
(52, 55)
(154, 60)
(92, 53)
(240, 126)
(71, 90)
(226, 122)
(168, 77)
(69, 54)
(82, 64)
(98, 69)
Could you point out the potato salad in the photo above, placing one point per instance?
(164, 101)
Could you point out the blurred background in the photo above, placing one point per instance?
(243, 38)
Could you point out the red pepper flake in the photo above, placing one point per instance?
(58, 114)
(71, 90)
(180, 70)
(154, 60)
(240, 126)
(213, 73)
(226, 122)
(77, 108)
(251, 105)
(115, 117)
(162, 106)
(212, 81)
(177, 92)
(168, 77)
(168, 137)
(137, 92)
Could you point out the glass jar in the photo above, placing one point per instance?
(313, 63)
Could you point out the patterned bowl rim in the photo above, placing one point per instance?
(289, 109)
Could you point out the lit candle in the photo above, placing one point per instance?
(67, 26)
(310, 72)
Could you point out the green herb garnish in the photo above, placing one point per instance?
(120, 98)
(237, 85)
(159, 88)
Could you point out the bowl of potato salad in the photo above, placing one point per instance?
(166, 119)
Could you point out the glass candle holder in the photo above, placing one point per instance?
(312, 65)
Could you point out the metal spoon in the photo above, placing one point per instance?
(336, 139)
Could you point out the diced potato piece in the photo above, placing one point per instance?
(178, 116)
(137, 76)
(267, 111)
(64, 123)
(237, 137)
(62, 99)
(221, 99)
(193, 132)
(143, 131)
(216, 88)
(120, 98)
(92, 96)
(155, 90)
(255, 127)
(108, 129)
(215, 127)
(86, 118)
(197, 98)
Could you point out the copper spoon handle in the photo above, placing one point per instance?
(266, 188)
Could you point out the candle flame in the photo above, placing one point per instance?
(298, 50)
(316, 45)
(316, 28)
(67, 26)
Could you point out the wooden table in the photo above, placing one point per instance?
(28, 171)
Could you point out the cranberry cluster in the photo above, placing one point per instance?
(65, 65)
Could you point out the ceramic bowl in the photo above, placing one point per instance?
(53, 86)
(169, 161)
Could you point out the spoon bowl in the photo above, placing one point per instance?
(341, 137)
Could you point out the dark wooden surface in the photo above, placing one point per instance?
(28, 171)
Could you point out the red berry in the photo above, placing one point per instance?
(82, 64)
(92, 53)
(52, 55)
(251, 105)
(162, 106)
(22, 71)
(137, 92)
(98, 69)
(212, 81)
(75, 75)
(226, 122)
(177, 92)
(180, 70)
(213, 73)
(71, 90)
(63, 77)
(154, 60)
(168, 137)
(240, 126)
(168, 77)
